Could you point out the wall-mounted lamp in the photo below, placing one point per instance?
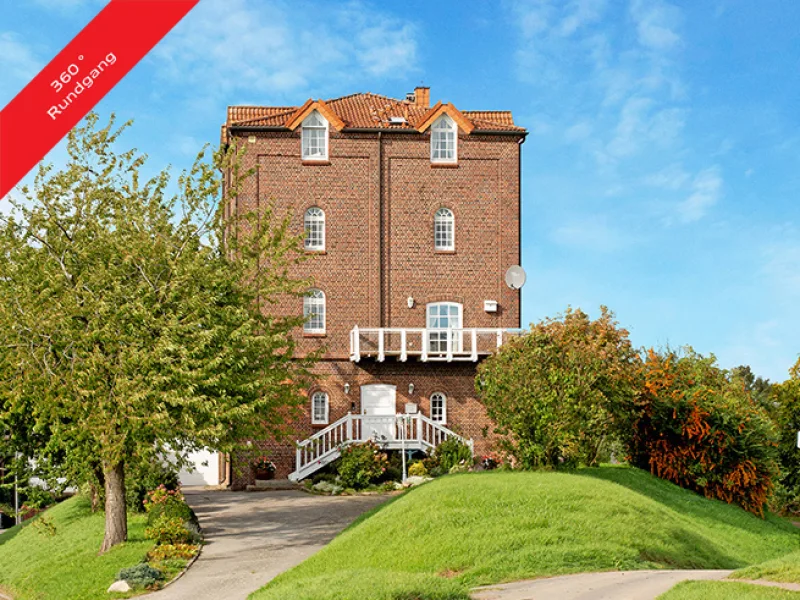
(346, 388)
(410, 388)
(410, 302)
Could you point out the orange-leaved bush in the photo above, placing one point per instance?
(695, 427)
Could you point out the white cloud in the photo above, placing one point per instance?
(17, 59)
(656, 24)
(254, 47)
(705, 193)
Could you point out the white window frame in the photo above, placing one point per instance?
(314, 218)
(440, 339)
(443, 398)
(314, 303)
(444, 219)
(444, 131)
(320, 396)
(307, 129)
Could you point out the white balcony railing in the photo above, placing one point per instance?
(427, 344)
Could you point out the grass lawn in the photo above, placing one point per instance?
(439, 540)
(35, 565)
(720, 590)
(786, 568)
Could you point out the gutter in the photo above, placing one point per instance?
(378, 130)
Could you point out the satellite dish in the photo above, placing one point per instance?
(515, 277)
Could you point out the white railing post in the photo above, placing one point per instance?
(474, 355)
(419, 428)
(499, 337)
(381, 354)
(424, 357)
(451, 339)
(297, 465)
(403, 350)
(349, 427)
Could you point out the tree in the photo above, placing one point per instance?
(560, 391)
(131, 320)
(698, 427)
(786, 397)
(760, 389)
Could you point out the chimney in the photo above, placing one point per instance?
(422, 97)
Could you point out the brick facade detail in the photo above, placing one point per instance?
(379, 191)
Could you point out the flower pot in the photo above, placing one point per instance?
(265, 474)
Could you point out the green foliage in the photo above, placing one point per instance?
(786, 397)
(141, 478)
(166, 502)
(135, 320)
(697, 428)
(417, 469)
(361, 465)
(44, 526)
(451, 453)
(168, 530)
(488, 527)
(560, 390)
(164, 552)
(141, 575)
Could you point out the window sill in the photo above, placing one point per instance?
(310, 162)
(319, 425)
(443, 165)
(316, 251)
(314, 335)
(444, 251)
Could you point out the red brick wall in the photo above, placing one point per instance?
(379, 195)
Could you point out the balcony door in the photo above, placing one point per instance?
(442, 318)
(378, 405)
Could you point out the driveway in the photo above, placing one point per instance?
(613, 585)
(253, 536)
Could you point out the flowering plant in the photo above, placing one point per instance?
(263, 463)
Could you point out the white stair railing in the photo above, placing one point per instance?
(412, 432)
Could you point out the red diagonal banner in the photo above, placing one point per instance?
(78, 78)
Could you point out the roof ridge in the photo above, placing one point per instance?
(374, 95)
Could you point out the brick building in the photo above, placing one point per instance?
(413, 214)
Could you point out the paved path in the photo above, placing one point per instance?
(253, 536)
(615, 585)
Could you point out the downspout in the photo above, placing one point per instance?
(519, 226)
(380, 231)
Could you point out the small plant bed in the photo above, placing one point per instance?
(365, 468)
(483, 528)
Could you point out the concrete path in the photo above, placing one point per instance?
(614, 585)
(253, 536)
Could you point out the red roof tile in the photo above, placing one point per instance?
(367, 111)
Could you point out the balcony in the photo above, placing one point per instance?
(445, 345)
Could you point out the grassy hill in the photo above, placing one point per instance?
(439, 540)
(35, 564)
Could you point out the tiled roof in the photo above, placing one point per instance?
(368, 111)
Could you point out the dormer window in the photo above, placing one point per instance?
(444, 139)
(315, 137)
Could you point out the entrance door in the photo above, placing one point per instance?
(379, 410)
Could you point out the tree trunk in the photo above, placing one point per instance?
(116, 511)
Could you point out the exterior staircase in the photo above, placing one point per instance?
(392, 432)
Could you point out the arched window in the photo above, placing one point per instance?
(314, 311)
(315, 137)
(319, 408)
(438, 407)
(444, 139)
(444, 224)
(315, 229)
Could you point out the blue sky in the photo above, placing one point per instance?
(662, 169)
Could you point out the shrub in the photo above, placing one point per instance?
(556, 391)
(452, 452)
(786, 398)
(141, 575)
(168, 530)
(361, 465)
(417, 469)
(147, 476)
(696, 428)
(163, 501)
(165, 552)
